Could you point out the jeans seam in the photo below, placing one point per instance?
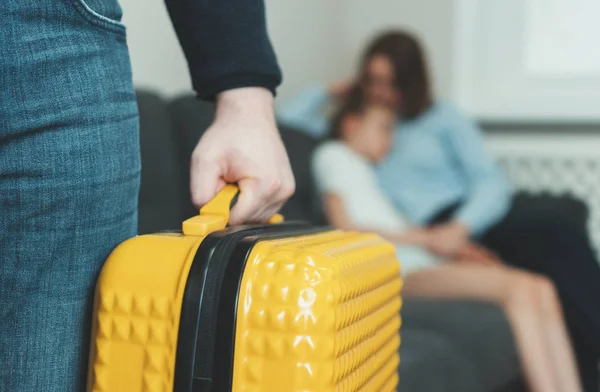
(97, 19)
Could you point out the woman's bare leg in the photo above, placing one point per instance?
(519, 294)
(561, 350)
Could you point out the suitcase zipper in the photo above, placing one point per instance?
(207, 320)
(196, 343)
(208, 324)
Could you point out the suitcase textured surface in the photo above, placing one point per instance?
(273, 308)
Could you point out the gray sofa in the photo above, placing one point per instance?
(446, 346)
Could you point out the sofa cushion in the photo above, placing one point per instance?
(159, 199)
(431, 362)
(479, 333)
(303, 205)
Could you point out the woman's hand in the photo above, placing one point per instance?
(339, 90)
(243, 146)
(478, 254)
(448, 239)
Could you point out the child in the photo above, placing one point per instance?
(361, 136)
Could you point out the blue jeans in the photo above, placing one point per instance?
(69, 179)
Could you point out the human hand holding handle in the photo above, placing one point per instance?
(243, 146)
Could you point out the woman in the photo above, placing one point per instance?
(440, 175)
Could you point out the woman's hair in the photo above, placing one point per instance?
(354, 103)
(411, 76)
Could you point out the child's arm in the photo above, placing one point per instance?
(337, 216)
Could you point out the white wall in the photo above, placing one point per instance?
(156, 57)
(303, 32)
(306, 36)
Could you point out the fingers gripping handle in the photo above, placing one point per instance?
(220, 205)
(215, 214)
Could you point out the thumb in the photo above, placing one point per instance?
(205, 181)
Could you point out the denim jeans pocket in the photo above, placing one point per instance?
(105, 14)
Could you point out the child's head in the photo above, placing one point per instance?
(367, 128)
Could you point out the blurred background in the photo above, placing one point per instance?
(527, 71)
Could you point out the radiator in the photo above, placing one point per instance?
(556, 164)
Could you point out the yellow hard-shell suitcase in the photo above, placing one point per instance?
(272, 308)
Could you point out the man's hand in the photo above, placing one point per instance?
(243, 146)
(448, 239)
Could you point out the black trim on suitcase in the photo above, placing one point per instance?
(228, 304)
(195, 355)
(189, 317)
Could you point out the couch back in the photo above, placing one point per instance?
(169, 131)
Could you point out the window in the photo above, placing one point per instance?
(528, 59)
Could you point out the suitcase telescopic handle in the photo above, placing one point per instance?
(215, 214)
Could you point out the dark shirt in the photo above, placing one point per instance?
(226, 44)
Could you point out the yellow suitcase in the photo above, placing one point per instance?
(272, 308)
